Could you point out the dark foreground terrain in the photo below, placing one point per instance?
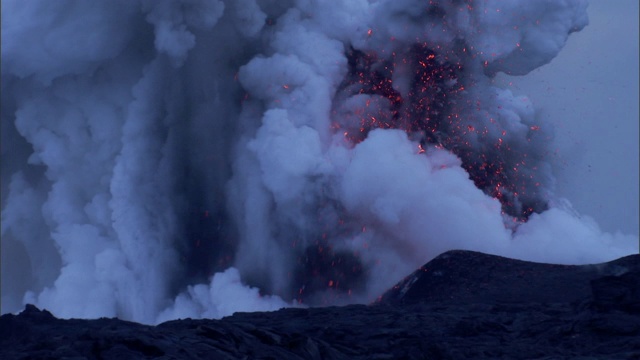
(461, 305)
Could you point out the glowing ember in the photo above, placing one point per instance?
(320, 267)
(429, 109)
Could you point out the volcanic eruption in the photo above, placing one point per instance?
(193, 158)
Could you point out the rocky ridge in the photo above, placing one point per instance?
(460, 305)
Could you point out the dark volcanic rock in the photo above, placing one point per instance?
(479, 306)
(621, 292)
(467, 276)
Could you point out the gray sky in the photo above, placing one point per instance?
(590, 93)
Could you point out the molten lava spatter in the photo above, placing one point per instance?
(323, 268)
(419, 91)
(421, 106)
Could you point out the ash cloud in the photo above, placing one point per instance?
(167, 159)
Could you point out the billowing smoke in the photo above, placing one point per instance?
(193, 158)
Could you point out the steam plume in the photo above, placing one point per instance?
(165, 159)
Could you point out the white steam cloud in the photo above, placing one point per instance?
(193, 158)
